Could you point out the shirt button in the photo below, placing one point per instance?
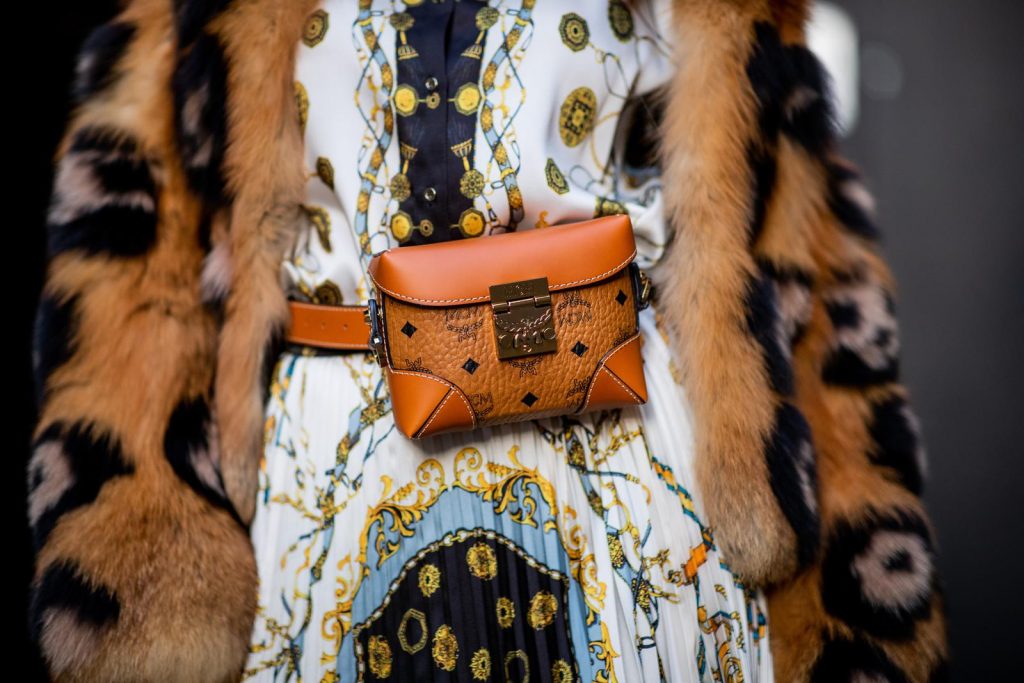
(430, 194)
(431, 83)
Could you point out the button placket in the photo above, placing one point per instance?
(433, 194)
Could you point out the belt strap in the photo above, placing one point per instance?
(332, 327)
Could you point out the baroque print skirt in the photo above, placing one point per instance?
(565, 549)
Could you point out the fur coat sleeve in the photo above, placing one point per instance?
(178, 189)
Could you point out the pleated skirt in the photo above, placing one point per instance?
(566, 548)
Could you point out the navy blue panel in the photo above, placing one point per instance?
(439, 47)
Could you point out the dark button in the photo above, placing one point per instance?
(430, 194)
(431, 83)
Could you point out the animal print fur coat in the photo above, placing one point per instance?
(178, 189)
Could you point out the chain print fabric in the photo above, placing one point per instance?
(560, 549)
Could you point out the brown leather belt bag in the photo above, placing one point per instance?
(514, 326)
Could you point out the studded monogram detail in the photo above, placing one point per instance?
(463, 322)
(483, 404)
(574, 309)
(408, 328)
(470, 366)
(623, 334)
(578, 386)
(416, 365)
(529, 399)
(526, 367)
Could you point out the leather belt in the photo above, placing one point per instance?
(343, 327)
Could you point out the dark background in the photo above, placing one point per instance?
(943, 158)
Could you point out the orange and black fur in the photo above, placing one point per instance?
(178, 189)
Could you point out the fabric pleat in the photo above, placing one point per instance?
(569, 545)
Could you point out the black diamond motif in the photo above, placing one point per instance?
(470, 365)
(579, 348)
(529, 399)
(621, 297)
(408, 328)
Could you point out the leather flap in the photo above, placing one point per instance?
(461, 271)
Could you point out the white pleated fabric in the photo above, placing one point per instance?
(567, 548)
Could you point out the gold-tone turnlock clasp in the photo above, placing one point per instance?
(523, 320)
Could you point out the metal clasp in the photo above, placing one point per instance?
(643, 287)
(523, 320)
(374, 319)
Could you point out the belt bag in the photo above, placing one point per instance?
(513, 326)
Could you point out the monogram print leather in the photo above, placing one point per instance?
(458, 344)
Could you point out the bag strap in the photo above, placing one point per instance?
(347, 327)
(342, 327)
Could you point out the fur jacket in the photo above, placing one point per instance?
(178, 189)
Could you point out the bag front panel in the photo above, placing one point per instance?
(458, 344)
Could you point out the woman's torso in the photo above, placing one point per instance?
(562, 548)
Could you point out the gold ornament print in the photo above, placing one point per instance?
(403, 631)
(521, 656)
(401, 225)
(574, 31)
(505, 610)
(328, 293)
(380, 656)
(402, 22)
(500, 155)
(556, 181)
(561, 672)
(399, 186)
(512, 37)
(471, 222)
(322, 222)
(407, 100)
(621, 20)
(515, 198)
(576, 118)
(486, 17)
(482, 562)
(429, 579)
(480, 665)
(471, 184)
(315, 29)
(302, 104)
(325, 171)
(618, 557)
(490, 73)
(446, 648)
(543, 607)
(604, 206)
(467, 98)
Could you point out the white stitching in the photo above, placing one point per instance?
(436, 411)
(486, 297)
(329, 345)
(622, 384)
(454, 388)
(601, 365)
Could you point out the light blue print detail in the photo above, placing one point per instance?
(389, 550)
